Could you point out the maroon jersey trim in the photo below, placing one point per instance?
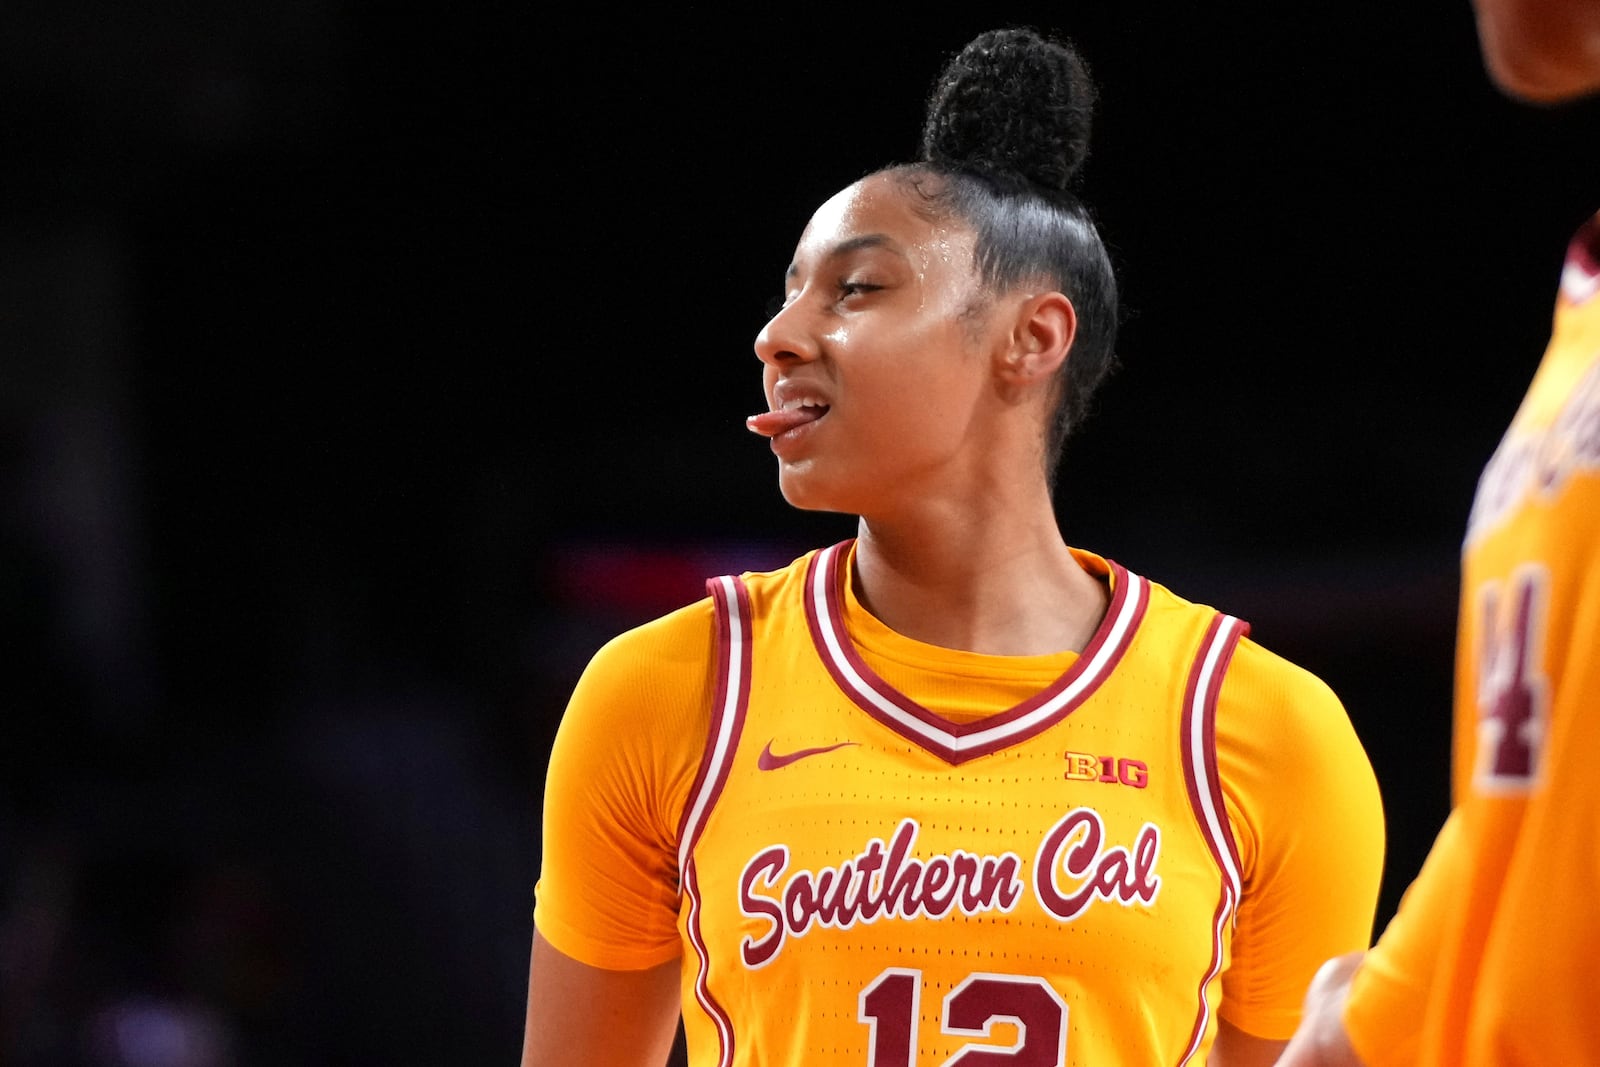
(1205, 792)
(729, 705)
(1580, 273)
(953, 742)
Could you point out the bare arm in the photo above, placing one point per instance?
(1321, 1041)
(1235, 1048)
(1542, 51)
(583, 1016)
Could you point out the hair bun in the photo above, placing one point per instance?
(1012, 104)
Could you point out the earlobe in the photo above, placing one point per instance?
(1046, 324)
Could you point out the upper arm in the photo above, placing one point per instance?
(583, 1016)
(625, 755)
(626, 752)
(1304, 803)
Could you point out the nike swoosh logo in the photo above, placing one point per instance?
(771, 761)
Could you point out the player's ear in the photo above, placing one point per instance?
(1042, 332)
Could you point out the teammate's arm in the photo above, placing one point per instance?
(1540, 50)
(583, 1016)
(1321, 1040)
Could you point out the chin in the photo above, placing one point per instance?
(802, 500)
(803, 491)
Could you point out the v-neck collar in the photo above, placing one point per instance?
(958, 742)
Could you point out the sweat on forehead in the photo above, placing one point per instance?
(880, 213)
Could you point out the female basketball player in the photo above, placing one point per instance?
(950, 792)
(1491, 957)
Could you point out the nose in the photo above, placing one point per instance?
(785, 338)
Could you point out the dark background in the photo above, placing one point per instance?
(362, 371)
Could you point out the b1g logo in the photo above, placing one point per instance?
(1084, 767)
(1513, 692)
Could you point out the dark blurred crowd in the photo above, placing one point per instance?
(333, 442)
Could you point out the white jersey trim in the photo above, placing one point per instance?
(831, 629)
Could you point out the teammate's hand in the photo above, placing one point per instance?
(1320, 1040)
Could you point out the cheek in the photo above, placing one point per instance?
(924, 395)
(946, 363)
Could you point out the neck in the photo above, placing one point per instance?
(981, 585)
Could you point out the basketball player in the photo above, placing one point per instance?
(950, 791)
(1492, 955)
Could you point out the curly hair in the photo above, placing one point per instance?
(1006, 131)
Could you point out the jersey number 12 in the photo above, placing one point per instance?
(890, 1005)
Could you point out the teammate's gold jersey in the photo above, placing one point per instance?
(1492, 957)
(888, 853)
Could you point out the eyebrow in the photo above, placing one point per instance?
(845, 247)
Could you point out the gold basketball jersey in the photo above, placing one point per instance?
(1491, 957)
(867, 882)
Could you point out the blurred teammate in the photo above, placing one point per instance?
(950, 791)
(1493, 955)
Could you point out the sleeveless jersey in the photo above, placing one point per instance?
(1493, 950)
(867, 882)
